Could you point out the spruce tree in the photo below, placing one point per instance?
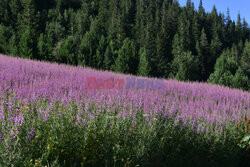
(42, 47)
(182, 39)
(99, 57)
(26, 43)
(186, 66)
(64, 52)
(109, 56)
(245, 59)
(245, 31)
(215, 50)
(238, 29)
(240, 80)
(204, 57)
(143, 67)
(12, 48)
(127, 61)
(224, 71)
(3, 38)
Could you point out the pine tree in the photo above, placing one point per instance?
(224, 71)
(163, 46)
(196, 29)
(64, 52)
(245, 60)
(182, 39)
(4, 13)
(27, 22)
(204, 57)
(126, 61)
(3, 38)
(55, 32)
(25, 45)
(143, 67)
(149, 43)
(245, 31)
(28, 18)
(215, 49)
(42, 47)
(15, 9)
(238, 29)
(82, 23)
(228, 18)
(100, 53)
(103, 14)
(186, 67)
(109, 56)
(240, 80)
(202, 14)
(12, 48)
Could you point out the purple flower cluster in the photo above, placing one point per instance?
(31, 80)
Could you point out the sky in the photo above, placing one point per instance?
(235, 7)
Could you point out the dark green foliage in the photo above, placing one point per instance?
(232, 71)
(12, 46)
(225, 69)
(3, 38)
(240, 80)
(106, 140)
(202, 47)
(92, 33)
(99, 57)
(143, 66)
(245, 59)
(42, 47)
(64, 52)
(109, 56)
(26, 44)
(186, 67)
(126, 61)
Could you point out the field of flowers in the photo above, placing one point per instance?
(50, 116)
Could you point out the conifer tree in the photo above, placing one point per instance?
(182, 39)
(3, 38)
(245, 31)
(215, 49)
(186, 67)
(204, 57)
(224, 71)
(99, 57)
(15, 9)
(143, 67)
(245, 60)
(109, 56)
(240, 80)
(28, 17)
(126, 61)
(64, 52)
(42, 47)
(26, 41)
(12, 46)
(238, 29)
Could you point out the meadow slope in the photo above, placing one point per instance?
(51, 115)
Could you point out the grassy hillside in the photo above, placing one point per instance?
(60, 115)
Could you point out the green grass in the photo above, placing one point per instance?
(106, 140)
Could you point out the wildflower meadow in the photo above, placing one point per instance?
(60, 115)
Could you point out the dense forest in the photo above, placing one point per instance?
(155, 38)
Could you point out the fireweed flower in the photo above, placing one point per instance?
(31, 135)
(211, 103)
(45, 114)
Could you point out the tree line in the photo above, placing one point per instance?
(155, 38)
